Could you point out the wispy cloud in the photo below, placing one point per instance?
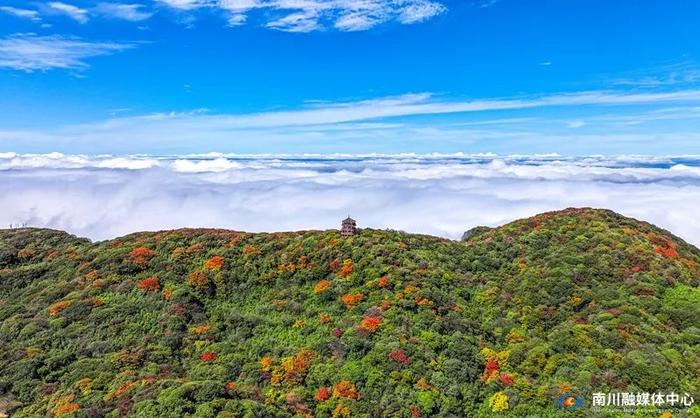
(186, 4)
(31, 52)
(684, 73)
(21, 13)
(74, 12)
(130, 12)
(607, 123)
(315, 15)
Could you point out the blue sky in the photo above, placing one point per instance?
(298, 76)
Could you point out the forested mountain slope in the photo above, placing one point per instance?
(220, 323)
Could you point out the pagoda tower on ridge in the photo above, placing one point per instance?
(348, 227)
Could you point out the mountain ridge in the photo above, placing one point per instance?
(220, 323)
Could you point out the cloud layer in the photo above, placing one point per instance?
(107, 196)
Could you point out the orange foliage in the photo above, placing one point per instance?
(208, 356)
(669, 252)
(251, 250)
(194, 248)
(149, 284)
(266, 364)
(345, 389)
(341, 411)
(26, 253)
(322, 286)
(122, 390)
(167, 294)
(65, 409)
(231, 386)
(201, 329)
(415, 412)
(215, 263)
(91, 276)
(197, 279)
(141, 255)
(58, 307)
(370, 323)
(347, 268)
(383, 281)
(322, 394)
(324, 318)
(351, 299)
(293, 369)
(422, 384)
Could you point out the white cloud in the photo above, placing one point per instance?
(74, 12)
(130, 12)
(296, 22)
(419, 12)
(22, 13)
(104, 197)
(30, 52)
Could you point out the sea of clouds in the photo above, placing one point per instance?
(106, 196)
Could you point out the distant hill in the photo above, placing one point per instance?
(216, 323)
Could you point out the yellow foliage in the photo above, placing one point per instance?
(498, 402)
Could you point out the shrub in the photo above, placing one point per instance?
(352, 299)
(215, 263)
(345, 389)
(149, 284)
(322, 286)
(141, 255)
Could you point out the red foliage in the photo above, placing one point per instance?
(215, 263)
(141, 255)
(322, 394)
(208, 356)
(149, 284)
(492, 368)
(669, 252)
(506, 379)
(400, 357)
(383, 281)
(178, 309)
(333, 265)
(415, 412)
(337, 332)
